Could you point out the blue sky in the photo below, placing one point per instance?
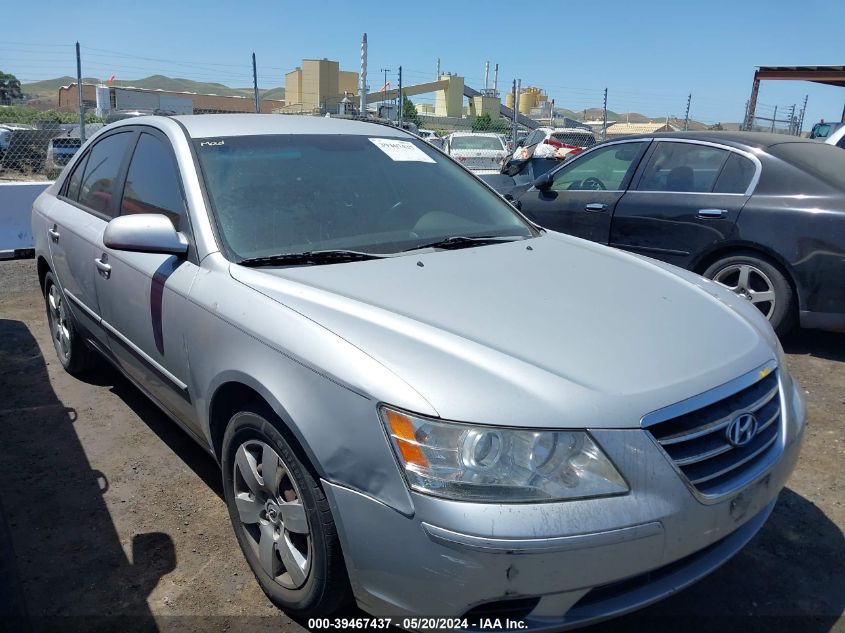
(649, 54)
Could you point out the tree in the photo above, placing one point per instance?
(10, 88)
(409, 112)
(482, 122)
(716, 127)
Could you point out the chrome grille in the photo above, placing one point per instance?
(698, 443)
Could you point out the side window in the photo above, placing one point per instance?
(604, 168)
(152, 182)
(736, 175)
(102, 169)
(684, 167)
(72, 189)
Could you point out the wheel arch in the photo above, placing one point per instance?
(752, 248)
(236, 393)
(43, 268)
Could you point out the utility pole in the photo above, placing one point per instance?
(438, 69)
(79, 94)
(801, 116)
(774, 118)
(792, 120)
(515, 126)
(362, 90)
(686, 116)
(384, 85)
(401, 100)
(604, 117)
(255, 85)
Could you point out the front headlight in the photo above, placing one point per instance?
(469, 462)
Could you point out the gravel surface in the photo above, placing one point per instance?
(112, 518)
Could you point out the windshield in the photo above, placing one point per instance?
(278, 194)
(476, 142)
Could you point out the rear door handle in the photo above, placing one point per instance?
(596, 207)
(102, 266)
(712, 213)
(54, 234)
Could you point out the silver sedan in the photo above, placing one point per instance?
(418, 399)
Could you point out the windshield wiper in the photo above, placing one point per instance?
(309, 258)
(462, 241)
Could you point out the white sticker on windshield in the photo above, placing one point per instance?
(401, 150)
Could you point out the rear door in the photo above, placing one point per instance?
(76, 223)
(585, 191)
(684, 200)
(142, 296)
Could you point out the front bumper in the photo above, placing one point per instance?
(565, 563)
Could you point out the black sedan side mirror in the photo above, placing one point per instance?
(544, 182)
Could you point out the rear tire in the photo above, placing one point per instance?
(757, 279)
(73, 354)
(282, 521)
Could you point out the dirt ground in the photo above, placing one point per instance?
(111, 518)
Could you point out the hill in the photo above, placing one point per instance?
(49, 88)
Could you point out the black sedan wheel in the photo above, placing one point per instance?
(281, 517)
(761, 283)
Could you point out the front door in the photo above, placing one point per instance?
(142, 296)
(585, 191)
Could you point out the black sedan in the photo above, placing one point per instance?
(761, 214)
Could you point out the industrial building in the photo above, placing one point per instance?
(318, 84)
(130, 98)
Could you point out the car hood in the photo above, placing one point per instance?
(547, 332)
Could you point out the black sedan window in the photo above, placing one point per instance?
(736, 175)
(686, 167)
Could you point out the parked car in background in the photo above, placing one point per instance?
(760, 214)
(418, 399)
(6, 131)
(540, 151)
(837, 138)
(432, 137)
(822, 130)
(558, 142)
(62, 148)
(481, 152)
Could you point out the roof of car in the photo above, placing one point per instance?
(493, 134)
(215, 125)
(748, 139)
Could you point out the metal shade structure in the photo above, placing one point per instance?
(828, 75)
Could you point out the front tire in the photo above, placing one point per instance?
(73, 354)
(762, 283)
(281, 517)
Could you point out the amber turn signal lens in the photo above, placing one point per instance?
(402, 430)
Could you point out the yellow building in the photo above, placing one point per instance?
(318, 83)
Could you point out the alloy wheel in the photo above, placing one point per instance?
(59, 327)
(751, 283)
(272, 515)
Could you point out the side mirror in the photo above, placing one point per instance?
(544, 182)
(144, 233)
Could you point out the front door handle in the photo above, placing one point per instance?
(103, 268)
(596, 207)
(712, 213)
(54, 233)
